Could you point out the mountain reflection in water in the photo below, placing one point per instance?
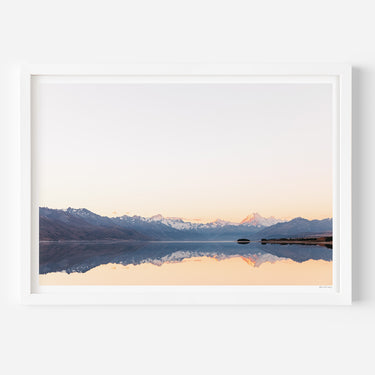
(82, 256)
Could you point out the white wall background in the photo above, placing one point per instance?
(259, 340)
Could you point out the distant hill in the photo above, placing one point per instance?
(82, 224)
(297, 227)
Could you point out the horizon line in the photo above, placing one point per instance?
(197, 220)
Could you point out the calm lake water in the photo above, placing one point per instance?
(83, 256)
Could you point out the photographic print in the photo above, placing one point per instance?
(184, 183)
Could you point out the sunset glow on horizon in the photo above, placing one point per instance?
(200, 152)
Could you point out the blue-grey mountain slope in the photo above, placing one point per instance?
(297, 227)
(82, 224)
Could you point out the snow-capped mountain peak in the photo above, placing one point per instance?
(83, 212)
(254, 220)
(174, 222)
(257, 220)
(221, 223)
(157, 217)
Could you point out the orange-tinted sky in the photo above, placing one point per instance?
(188, 150)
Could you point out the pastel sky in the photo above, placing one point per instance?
(197, 151)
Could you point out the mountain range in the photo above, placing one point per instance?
(82, 224)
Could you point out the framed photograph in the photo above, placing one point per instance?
(186, 184)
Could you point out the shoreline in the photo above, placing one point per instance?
(288, 242)
(154, 241)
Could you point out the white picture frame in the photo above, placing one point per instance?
(340, 294)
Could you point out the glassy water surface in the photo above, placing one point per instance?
(81, 256)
